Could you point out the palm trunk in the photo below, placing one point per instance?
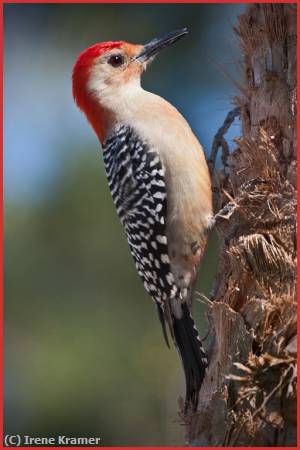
(249, 394)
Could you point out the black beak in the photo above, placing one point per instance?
(158, 44)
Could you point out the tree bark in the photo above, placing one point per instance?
(249, 394)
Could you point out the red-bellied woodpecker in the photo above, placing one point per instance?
(159, 183)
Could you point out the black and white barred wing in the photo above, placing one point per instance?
(136, 180)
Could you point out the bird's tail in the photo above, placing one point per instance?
(192, 354)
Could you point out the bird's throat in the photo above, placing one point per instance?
(99, 117)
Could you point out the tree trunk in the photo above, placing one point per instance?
(249, 394)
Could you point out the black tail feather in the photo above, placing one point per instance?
(192, 354)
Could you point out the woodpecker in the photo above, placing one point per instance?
(159, 182)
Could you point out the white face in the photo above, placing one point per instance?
(114, 71)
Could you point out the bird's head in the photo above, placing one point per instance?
(108, 69)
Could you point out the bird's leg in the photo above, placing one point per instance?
(225, 213)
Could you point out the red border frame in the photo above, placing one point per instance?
(1, 162)
(1, 228)
(137, 1)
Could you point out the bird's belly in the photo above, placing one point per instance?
(189, 216)
(185, 253)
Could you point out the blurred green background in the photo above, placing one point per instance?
(84, 353)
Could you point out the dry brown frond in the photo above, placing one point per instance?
(263, 254)
(275, 22)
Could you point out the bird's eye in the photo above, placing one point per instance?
(116, 60)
